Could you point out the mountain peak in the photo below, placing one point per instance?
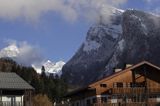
(54, 68)
(129, 38)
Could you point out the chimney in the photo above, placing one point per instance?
(117, 70)
(128, 65)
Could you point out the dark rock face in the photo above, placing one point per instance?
(139, 41)
(131, 37)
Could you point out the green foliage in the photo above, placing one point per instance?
(43, 74)
(53, 86)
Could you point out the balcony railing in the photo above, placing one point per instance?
(127, 104)
(8, 103)
(137, 90)
(127, 90)
(153, 90)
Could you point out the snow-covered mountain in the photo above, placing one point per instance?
(50, 67)
(130, 37)
(14, 52)
(54, 68)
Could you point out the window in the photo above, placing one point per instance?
(103, 85)
(134, 99)
(140, 84)
(119, 84)
(114, 85)
(77, 104)
(94, 100)
(104, 99)
(72, 104)
(88, 102)
(137, 84)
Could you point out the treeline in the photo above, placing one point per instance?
(52, 86)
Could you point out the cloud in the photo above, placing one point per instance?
(71, 10)
(93, 9)
(29, 54)
(32, 10)
(151, 1)
(157, 11)
(22, 52)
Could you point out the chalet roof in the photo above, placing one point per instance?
(13, 81)
(126, 70)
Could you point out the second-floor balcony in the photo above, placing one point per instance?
(134, 90)
(9, 103)
(127, 104)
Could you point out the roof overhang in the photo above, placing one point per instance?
(79, 90)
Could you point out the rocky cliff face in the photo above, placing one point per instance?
(131, 36)
(139, 41)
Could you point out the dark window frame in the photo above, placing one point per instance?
(119, 84)
(103, 85)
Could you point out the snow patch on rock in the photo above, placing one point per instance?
(121, 44)
(114, 30)
(90, 45)
(144, 28)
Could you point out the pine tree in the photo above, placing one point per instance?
(43, 73)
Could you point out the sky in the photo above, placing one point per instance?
(57, 28)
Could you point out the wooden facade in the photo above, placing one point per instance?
(137, 85)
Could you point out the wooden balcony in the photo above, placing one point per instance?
(127, 104)
(136, 90)
(153, 90)
(127, 90)
(8, 103)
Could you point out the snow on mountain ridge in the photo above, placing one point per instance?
(117, 11)
(50, 67)
(91, 45)
(54, 68)
(113, 28)
(97, 31)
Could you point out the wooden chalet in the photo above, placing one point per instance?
(14, 91)
(137, 85)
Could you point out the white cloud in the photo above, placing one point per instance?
(29, 54)
(32, 10)
(93, 9)
(22, 52)
(150, 1)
